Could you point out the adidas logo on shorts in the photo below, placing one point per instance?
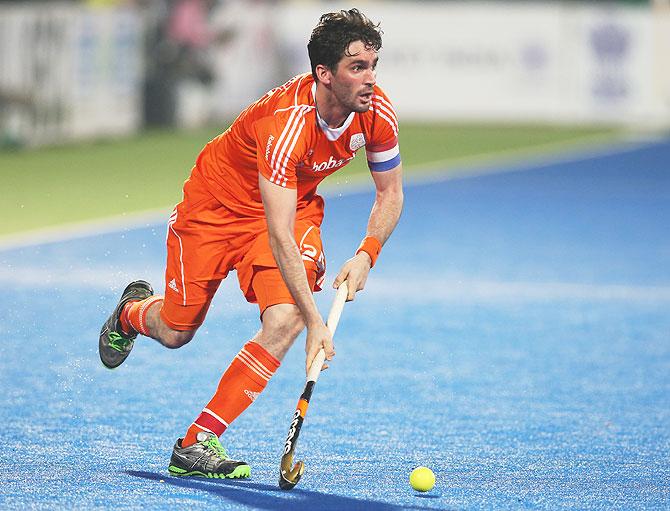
(173, 285)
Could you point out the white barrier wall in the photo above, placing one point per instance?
(458, 60)
(67, 72)
(614, 54)
(512, 61)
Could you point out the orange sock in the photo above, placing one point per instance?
(134, 315)
(245, 378)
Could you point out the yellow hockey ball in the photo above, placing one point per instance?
(422, 479)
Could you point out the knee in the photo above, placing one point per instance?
(174, 339)
(292, 324)
(284, 321)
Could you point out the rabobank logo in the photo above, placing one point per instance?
(332, 163)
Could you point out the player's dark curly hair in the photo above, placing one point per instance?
(331, 38)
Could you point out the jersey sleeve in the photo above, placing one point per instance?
(280, 145)
(383, 151)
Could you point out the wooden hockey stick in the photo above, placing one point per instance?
(289, 477)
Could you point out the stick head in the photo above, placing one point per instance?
(289, 477)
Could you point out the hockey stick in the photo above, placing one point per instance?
(289, 477)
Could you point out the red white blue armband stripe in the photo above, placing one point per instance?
(384, 157)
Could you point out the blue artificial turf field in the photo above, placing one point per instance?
(514, 337)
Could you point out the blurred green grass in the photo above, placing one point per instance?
(52, 186)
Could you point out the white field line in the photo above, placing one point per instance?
(467, 167)
(34, 277)
(443, 289)
(86, 228)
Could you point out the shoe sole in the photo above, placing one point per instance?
(243, 471)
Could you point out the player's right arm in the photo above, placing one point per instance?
(280, 207)
(279, 143)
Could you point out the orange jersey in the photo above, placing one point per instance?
(282, 136)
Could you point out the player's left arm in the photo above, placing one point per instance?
(383, 220)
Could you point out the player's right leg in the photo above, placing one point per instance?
(196, 264)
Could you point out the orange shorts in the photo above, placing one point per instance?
(206, 240)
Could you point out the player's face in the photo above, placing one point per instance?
(354, 77)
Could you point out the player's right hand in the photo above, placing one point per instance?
(318, 336)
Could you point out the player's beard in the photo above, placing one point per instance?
(352, 100)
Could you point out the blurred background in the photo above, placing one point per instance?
(104, 104)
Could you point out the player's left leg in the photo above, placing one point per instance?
(246, 377)
(199, 453)
(257, 361)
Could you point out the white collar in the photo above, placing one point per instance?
(332, 134)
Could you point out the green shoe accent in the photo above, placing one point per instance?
(213, 443)
(239, 472)
(118, 342)
(176, 471)
(179, 472)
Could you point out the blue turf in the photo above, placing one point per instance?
(514, 337)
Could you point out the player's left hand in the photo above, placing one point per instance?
(355, 271)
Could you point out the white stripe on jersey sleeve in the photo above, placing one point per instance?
(385, 117)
